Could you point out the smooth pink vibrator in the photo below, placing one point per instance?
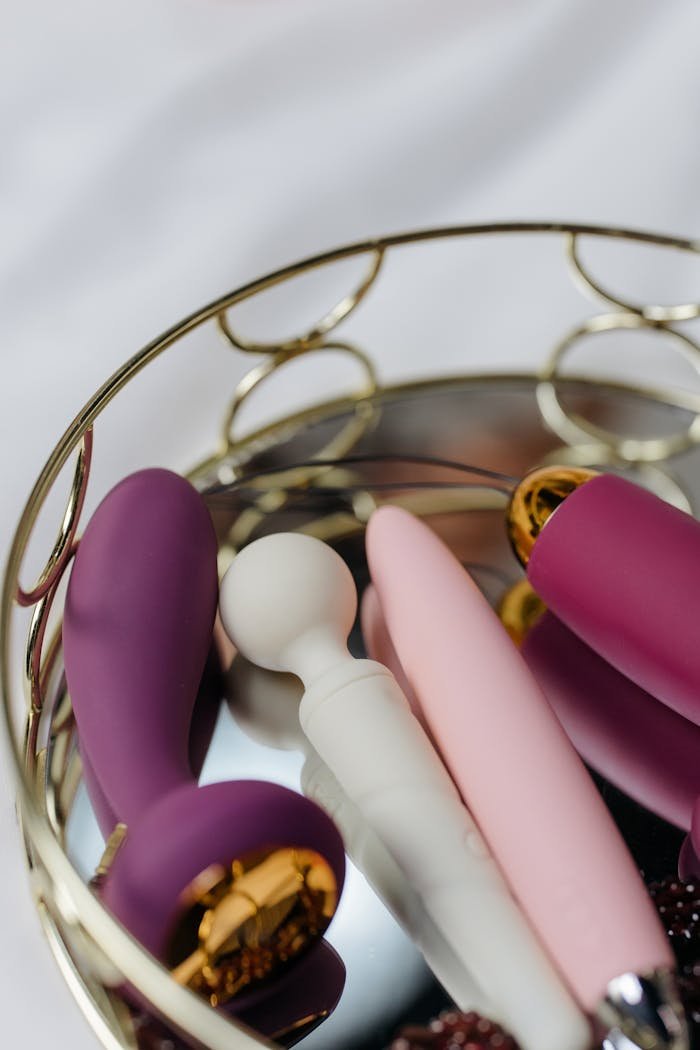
(523, 781)
(617, 728)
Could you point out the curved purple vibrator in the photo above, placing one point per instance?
(195, 828)
(204, 718)
(621, 568)
(639, 744)
(303, 998)
(196, 864)
(137, 628)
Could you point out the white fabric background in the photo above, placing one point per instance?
(155, 153)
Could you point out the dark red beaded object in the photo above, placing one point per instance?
(689, 984)
(678, 904)
(453, 1030)
(151, 1034)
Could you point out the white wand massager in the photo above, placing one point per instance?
(288, 603)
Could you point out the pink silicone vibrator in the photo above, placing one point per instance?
(288, 602)
(526, 787)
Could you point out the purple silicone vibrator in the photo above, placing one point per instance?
(226, 883)
(621, 568)
(633, 740)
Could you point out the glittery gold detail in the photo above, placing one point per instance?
(114, 844)
(520, 609)
(251, 920)
(534, 501)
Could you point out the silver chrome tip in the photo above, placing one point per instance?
(644, 1012)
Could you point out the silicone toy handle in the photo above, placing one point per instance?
(266, 705)
(137, 628)
(390, 884)
(288, 602)
(638, 743)
(621, 568)
(354, 710)
(513, 763)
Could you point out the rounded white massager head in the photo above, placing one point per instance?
(288, 602)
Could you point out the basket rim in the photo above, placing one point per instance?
(181, 1005)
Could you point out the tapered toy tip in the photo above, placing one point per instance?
(644, 1013)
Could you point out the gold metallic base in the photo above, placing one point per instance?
(520, 609)
(534, 501)
(251, 921)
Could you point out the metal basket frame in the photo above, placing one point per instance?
(96, 955)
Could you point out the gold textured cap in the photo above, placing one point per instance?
(245, 923)
(520, 609)
(534, 501)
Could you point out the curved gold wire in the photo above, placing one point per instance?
(277, 491)
(651, 312)
(601, 457)
(37, 628)
(35, 671)
(38, 667)
(119, 380)
(106, 1014)
(62, 884)
(51, 653)
(574, 429)
(343, 441)
(62, 552)
(315, 336)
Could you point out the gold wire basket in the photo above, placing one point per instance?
(95, 954)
